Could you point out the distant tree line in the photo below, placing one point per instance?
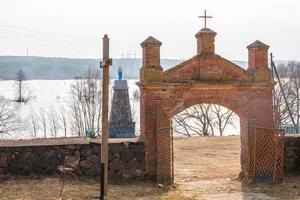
(67, 68)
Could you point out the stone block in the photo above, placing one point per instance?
(126, 145)
(45, 160)
(133, 165)
(140, 156)
(110, 156)
(139, 173)
(62, 152)
(94, 158)
(139, 146)
(86, 164)
(86, 150)
(96, 148)
(3, 162)
(72, 161)
(115, 148)
(126, 156)
(117, 165)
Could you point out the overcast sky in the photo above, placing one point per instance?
(74, 28)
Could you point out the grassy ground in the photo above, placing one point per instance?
(205, 168)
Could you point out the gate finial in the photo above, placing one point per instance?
(205, 18)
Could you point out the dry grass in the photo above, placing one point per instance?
(205, 168)
(207, 157)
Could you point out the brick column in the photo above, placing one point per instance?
(258, 61)
(257, 55)
(206, 41)
(151, 69)
(148, 121)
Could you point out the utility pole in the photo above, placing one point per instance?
(106, 62)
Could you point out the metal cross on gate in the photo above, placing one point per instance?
(205, 17)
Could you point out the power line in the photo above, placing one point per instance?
(55, 34)
(36, 35)
(53, 39)
(41, 44)
(42, 37)
(31, 29)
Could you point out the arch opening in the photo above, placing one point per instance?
(200, 156)
(206, 120)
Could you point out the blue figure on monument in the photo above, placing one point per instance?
(120, 73)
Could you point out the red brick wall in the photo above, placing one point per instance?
(205, 78)
(248, 101)
(206, 68)
(164, 147)
(205, 41)
(152, 55)
(257, 58)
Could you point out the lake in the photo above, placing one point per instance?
(49, 94)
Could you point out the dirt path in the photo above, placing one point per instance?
(208, 168)
(205, 168)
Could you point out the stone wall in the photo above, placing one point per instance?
(291, 163)
(44, 156)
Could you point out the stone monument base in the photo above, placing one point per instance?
(122, 130)
(120, 122)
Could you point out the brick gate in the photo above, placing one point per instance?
(205, 78)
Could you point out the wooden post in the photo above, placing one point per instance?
(105, 98)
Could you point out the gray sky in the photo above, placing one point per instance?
(73, 28)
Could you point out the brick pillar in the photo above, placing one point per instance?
(258, 61)
(257, 55)
(245, 154)
(164, 148)
(151, 69)
(148, 122)
(206, 41)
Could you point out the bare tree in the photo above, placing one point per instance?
(135, 100)
(20, 78)
(223, 117)
(289, 75)
(196, 120)
(62, 116)
(203, 119)
(181, 125)
(8, 119)
(136, 95)
(35, 123)
(76, 115)
(280, 102)
(43, 120)
(53, 121)
(85, 103)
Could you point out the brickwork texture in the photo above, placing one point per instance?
(204, 78)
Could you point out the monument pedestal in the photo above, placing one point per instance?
(120, 121)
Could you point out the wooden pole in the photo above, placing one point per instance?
(105, 98)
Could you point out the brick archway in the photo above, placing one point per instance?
(205, 78)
